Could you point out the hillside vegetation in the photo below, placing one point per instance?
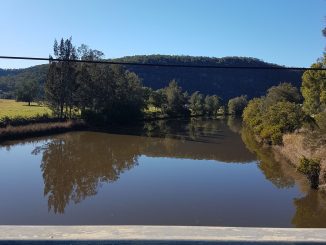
(11, 79)
(227, 83)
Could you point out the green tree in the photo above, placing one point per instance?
(314, 88)
(86, 53)
(147, 95)
(86, 72)
(212, 104)
(282, 92)
(237, 105)
(175, 100)
(271, 122)
(252, 114)
(27, 91)
(157, 98)
(280, 118)
(85, 88)
(196, 104)
(117, 95)
(61, 79)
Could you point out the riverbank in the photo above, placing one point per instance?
(304, 144)
(23, 128)
(39, 129)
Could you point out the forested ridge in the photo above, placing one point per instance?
(9, 72)
(10, 79)
(227, 83)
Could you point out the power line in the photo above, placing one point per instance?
(165, 65)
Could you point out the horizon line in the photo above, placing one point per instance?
(108, 62)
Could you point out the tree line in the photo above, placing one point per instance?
(173, 101)
(104, 93)
(99, 91)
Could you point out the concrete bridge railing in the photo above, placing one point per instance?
(157, 235)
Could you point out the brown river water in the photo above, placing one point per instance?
(178, 172)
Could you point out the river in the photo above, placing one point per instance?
(178, 172)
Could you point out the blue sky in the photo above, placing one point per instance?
(286, 32)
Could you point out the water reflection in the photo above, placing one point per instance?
(310, 210)
(234, 124)
(278, 172)
(192, 139)
(75, 165)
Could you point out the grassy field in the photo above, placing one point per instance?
(13, 109)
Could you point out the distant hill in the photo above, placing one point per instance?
(11, 77)
(9, 72)
(226, 83)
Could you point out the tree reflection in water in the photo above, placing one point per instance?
(310, 210)
(234, 124)
(73, 166)
(278, 172)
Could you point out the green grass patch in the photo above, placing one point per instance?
(13, 109)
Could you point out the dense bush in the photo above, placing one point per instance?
(320, 119)
(272, 116)
(252, 114)
(283, 92)
(314, 88)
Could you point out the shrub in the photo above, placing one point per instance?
(252, 114)
(271, 122)
(272, 133)
(321, 121)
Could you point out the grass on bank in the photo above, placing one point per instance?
(39, 129)
(13, 109)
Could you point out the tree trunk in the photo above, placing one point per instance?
(61, 111)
